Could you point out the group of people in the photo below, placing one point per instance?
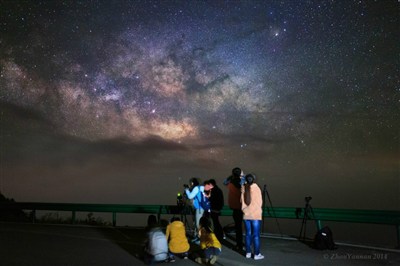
(164, 245)
(245, 200)
(165, 240)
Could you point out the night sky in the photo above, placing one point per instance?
(123, 101)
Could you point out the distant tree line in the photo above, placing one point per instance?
(18, 215)
(12, 215)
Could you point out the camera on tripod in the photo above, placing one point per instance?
(308, 214)
(179, 200)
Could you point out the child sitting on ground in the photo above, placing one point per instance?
(208, 242)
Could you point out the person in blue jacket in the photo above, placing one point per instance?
(195, 192)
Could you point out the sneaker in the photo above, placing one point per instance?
(170, 259)
(248, 255)
(258, 257)
(185, 257)
(200, 260)
(213, 259)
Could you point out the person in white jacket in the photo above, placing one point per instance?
(156, 249)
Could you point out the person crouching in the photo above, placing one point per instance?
(208, 243)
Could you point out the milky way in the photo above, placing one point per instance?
(234, 82)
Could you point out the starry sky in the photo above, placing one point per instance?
(123, 101)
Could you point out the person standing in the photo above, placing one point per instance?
(216, 198)
(233, 184)
(251, 199)
(194, 192)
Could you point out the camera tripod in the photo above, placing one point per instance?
(183, 210)
(308, 214)
(265, 192)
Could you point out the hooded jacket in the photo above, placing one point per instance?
(157, 245)
(176, 236)
(253, 211)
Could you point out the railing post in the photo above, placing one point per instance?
(114, 219)
(319, 224)
(73, 217)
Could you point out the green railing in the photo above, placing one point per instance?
(317, 214)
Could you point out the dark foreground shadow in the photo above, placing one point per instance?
(129, 239)
(230, 239)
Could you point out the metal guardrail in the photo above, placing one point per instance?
(318, 214)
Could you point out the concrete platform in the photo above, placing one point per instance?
(41, 245)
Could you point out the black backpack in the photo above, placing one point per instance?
(324, 239)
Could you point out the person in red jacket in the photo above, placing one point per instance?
(234, 184)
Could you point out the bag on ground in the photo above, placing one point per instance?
(324, 239)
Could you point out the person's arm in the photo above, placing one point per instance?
(258, 195)
(242, 198)
(227, 180)
(247, 194)
(193, 193)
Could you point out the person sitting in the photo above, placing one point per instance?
(177, 241)
(208, 243)
(156, 246)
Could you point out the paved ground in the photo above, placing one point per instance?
(41, 245)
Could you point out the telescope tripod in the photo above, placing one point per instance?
(265, 192)
(308, 214)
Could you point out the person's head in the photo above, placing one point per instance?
(236, 172)
(250, 179)
(208, 185)
(205, 223)
(212, 182)
(193, 182)
(151, 220)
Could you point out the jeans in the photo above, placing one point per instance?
(208, 252)
(198, 214)
(172, 255)
(253, 235)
